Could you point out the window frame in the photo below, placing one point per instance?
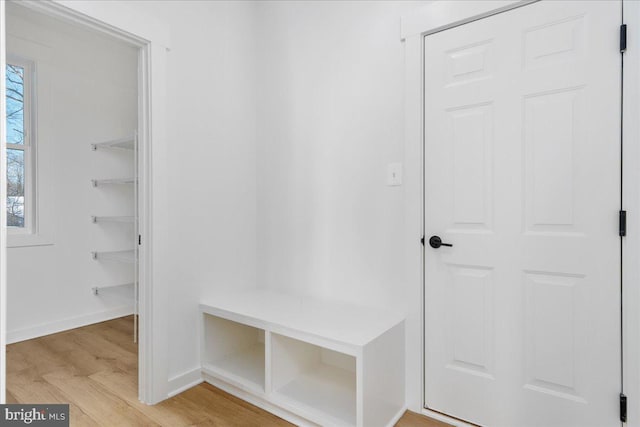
(27, 147)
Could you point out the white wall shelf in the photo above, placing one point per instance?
(127, 143)
(310, 361)
(123, 219)
(114, 181)
(96, 289)
(128, 257)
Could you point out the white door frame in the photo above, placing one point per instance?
(439, 15)
(151, 38)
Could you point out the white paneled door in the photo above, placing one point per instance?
(522, 178)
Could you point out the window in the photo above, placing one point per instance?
(20, 206)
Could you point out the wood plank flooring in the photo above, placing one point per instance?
(94, 369)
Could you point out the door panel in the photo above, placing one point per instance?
(522, 176)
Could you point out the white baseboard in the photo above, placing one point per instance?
(397, 417)
(185, 381)
(66, 324)
(445, 419)
(192, 378)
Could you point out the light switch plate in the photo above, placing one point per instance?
(394, 174)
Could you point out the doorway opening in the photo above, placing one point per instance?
(76, 140)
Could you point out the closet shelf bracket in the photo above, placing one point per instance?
(128, 143)
(96, 289)
(116, 181)
(125, 219)
(128, 257)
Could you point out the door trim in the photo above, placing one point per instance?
(435, 17)
(480, 16)
(631, 203)
(441, 15)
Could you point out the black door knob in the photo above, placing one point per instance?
(435, 242)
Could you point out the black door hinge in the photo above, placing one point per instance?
(622, 224)
(623, 408)
(623, 37)
(139, 239)
(422, 240)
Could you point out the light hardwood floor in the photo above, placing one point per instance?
(94, 369)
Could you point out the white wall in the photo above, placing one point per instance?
(331, 118)
(281, 131)
(283, 118)
(212, 190)
(330, 121)
(86, 92)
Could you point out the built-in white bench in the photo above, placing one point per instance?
(306, 360)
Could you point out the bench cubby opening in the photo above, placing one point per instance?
(318, 378)
(235, 350)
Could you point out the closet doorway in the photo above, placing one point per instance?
(74, 187)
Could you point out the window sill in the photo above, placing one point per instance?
(22, 240)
